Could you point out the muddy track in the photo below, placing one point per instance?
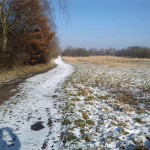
(7, 91)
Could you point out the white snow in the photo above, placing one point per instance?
(117, 125)
(87, 111)
(38, 99)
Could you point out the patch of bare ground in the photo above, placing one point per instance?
(126, 97)
(6, 92)
(110, 61)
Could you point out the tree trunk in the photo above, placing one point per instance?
(4, 56)
(5, 34)
(3, 18)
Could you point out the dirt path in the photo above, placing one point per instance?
(31, 119)
(7, 92)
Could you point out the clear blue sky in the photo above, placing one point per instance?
(105, 24)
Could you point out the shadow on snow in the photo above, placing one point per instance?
(9, 140)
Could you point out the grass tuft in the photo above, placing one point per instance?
(80, 123)
(66, 122)
(85, 116)
(90, 122)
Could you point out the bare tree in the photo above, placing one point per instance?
(4, 12)
(27, 31)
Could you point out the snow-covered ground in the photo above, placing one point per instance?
(38, 100)
(96, 108)
(106, 108)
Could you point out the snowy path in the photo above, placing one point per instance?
(37, 101)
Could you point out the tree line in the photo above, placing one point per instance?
(133, 52)
(27, 33)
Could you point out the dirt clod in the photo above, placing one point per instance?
(37, 126)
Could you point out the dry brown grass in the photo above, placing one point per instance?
(7, 77)
(110, 61)
(127, 98)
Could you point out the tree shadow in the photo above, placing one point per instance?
(9, 140)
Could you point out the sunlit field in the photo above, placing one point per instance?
(110, 61)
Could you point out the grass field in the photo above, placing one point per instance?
(107, 104)
(110, 61)
(19, 73)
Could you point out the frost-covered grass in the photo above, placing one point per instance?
(96, 108)
(106, 108)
